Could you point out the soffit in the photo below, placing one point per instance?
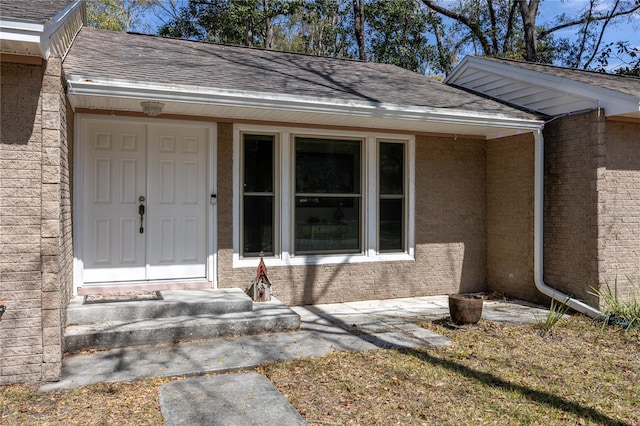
(546, 89)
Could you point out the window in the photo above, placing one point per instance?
(258, 194)
(328, 196)
(318, 196)
(391, 190)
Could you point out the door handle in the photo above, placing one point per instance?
(141, 213)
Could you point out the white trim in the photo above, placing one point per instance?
(286, 206)
(33, 34)
(235, 181)
(147, 191)
(284, 224)
(113, 88)
(411, 164)
(371, 182)
(212, 207)
(77, 214)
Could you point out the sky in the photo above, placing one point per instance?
(627, 29)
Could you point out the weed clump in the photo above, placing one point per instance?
(622, 312)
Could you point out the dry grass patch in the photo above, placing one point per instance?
(491, 374)
(135, 403)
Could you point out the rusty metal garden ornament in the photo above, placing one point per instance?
(260, 288)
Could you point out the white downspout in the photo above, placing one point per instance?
(538, 233)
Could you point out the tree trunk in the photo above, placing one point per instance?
(358, 26)
(248, 32)
(529, 12)
(268, 26)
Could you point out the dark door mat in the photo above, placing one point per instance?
(130, 296)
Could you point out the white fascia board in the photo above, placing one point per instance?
(612, 101)
(78, 85)
(36, 35)
(23, 33)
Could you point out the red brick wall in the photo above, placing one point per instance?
(450, 234)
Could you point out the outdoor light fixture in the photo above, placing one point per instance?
(152, 108)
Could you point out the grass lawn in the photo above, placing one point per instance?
(492, 374)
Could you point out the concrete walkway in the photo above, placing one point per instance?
(353, 326)
(246, 399)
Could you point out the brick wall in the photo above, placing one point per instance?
(66, 203)
(33, 148)
(573, 153)
(591, 214)
(450, 234)
(510, 197)
(20, 229)
(619, 217)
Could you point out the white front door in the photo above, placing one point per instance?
(145, 194)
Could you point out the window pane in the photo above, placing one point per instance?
(258, 225)
(391, 168)
(391, 225)
(327, 224)
(327, 166)
(258, 163)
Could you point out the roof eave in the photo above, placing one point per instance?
(23, 38)
(30, 38)
(80, 86)
(613, 102)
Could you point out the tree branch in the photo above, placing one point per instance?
(585, 33)
(604, 27)
(544, 33)
(473, 26)
(494, 30)
(509, 33)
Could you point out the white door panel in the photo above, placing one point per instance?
(114, 177)
(168, 166)
(177, 202)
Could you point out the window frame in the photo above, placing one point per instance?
(274, 194)
(404, 197)
(285, 196)
(360, 196)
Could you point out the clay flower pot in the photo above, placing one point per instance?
(465, 308)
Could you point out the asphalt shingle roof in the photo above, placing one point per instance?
(37, 11)
(628, 85)
(140, 58)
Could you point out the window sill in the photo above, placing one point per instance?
(286, 260)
